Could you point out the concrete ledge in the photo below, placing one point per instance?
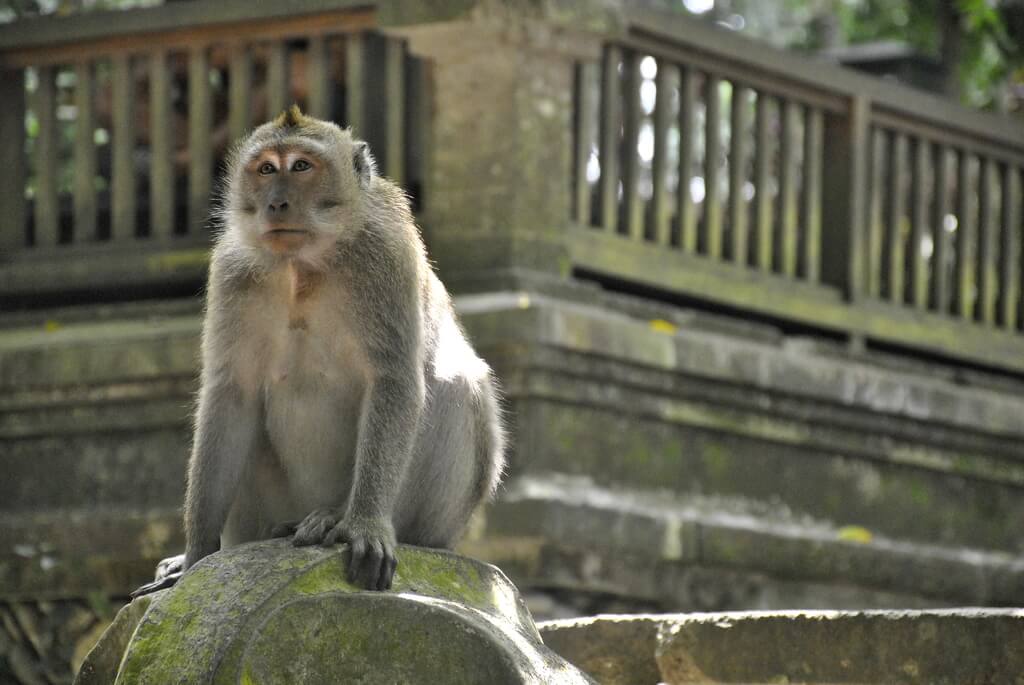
(940, 647)
(679, 533)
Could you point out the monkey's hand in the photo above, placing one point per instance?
(313, 529)
(168, 571)
(372, 544)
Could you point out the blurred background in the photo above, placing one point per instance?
(749, 271)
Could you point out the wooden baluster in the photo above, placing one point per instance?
(278, 98)
(940, 260)
(47, 209)
(12, 182)
(876, 228)
(240, 83)
(712, 234)
(738, 209)
(764, 150)
(586, 128)
(685, 214)
(355, 83)
(918, 265)
(965, 295)
(85, 155)
(810, 247)
(161, 175)
(123, 177)
(785, 236)
(611, 106)
(895, 267)
(665, 82)
(394, 138)
(319, 103)
(200, 115)
(1010, 248)
(987, 270)
(632, 111)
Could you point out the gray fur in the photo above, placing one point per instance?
(338, 391)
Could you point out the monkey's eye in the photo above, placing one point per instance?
(266, 168)
(301, 165)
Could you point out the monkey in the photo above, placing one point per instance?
(340, 400)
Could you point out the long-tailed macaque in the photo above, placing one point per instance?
(339, 400)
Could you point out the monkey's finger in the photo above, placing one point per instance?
(387, 573)
(165, 582)
(283, 530)
(357, 548)
(374, 565)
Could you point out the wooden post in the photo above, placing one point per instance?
(123, 180)
(764, 146)
(846, 145)
(712, 234)
(85, 156)
(586, 128)
(665, 82)
(161, 146)
(685, 214)
(199, 153)
(47, 210)
(738, 244)
(810, 246)
(632, 205)
(611, 107)
(940, 289)
(12, 181)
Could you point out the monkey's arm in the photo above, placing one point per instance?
(226, 425)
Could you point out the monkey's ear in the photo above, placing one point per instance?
(362, 162)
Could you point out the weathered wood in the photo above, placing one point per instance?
(810, 246)
(987, 269)
(686, 216)
(919, 222)
(965, 272)
(665, 82)
(785, 234)
(711, 235)
(896, 222)
(1010, 254)
(85, 156)
(876, 227)
(355, 82)
(942, 196)
(318, 103)
(394, 138)
(13, 208)
(764, 148)
(47, 209)
(278, 98)
(161, 147)
(611, 107)
(843, 204)
(239, 87)
(772, 295)
(738, 209)
(631, 114)
(200, 158)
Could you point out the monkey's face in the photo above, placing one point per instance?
(297, 189)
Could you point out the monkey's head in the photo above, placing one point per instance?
(296, 186)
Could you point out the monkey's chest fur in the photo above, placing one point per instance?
(302, 358)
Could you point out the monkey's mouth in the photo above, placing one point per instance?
(275, 232)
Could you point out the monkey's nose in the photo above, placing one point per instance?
(279, 206)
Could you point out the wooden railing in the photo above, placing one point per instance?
(128, 119)
(713, 168)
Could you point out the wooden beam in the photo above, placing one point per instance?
(1010, 255)
(987, 269)
(161, 147)
(239, 88)
(965, 271)
(686, 216)
(319, 98)
(665, 82)
(84, 156)
(895, 242)
(712, 226)
(631, 114)
(585, 126)
(355, 83)
(810, 246)
(764, 152)
(919, 223)
(738, 209)
(785, 234)
(941, 287)
(123, 176)
(611, 120)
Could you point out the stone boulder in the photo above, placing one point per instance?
(936, 647)
(271, 613)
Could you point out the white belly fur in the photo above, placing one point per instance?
(311, 375)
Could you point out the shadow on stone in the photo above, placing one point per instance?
(271, 613)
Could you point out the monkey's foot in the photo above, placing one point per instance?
(315, 527)
(372, 545)
(167, 573)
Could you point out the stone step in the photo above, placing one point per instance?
(716, 553)
(937, 647)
